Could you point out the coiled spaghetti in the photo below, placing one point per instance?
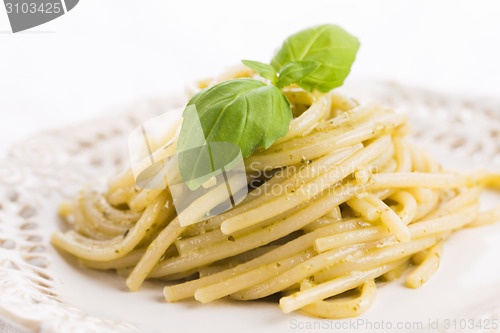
(343, 199)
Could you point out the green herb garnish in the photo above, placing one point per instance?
(329, 45)
(264, 70)
(254, 114)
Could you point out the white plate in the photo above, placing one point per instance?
(47, 290)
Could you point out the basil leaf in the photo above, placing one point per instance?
(198, 165)
(295, 71)
(264, 70)
(246, 112)
(330, 45)
(191, 124)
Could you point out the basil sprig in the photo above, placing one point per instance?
(253, 114)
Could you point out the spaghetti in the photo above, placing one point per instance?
(344, 199)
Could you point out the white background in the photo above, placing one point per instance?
(107, 53)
